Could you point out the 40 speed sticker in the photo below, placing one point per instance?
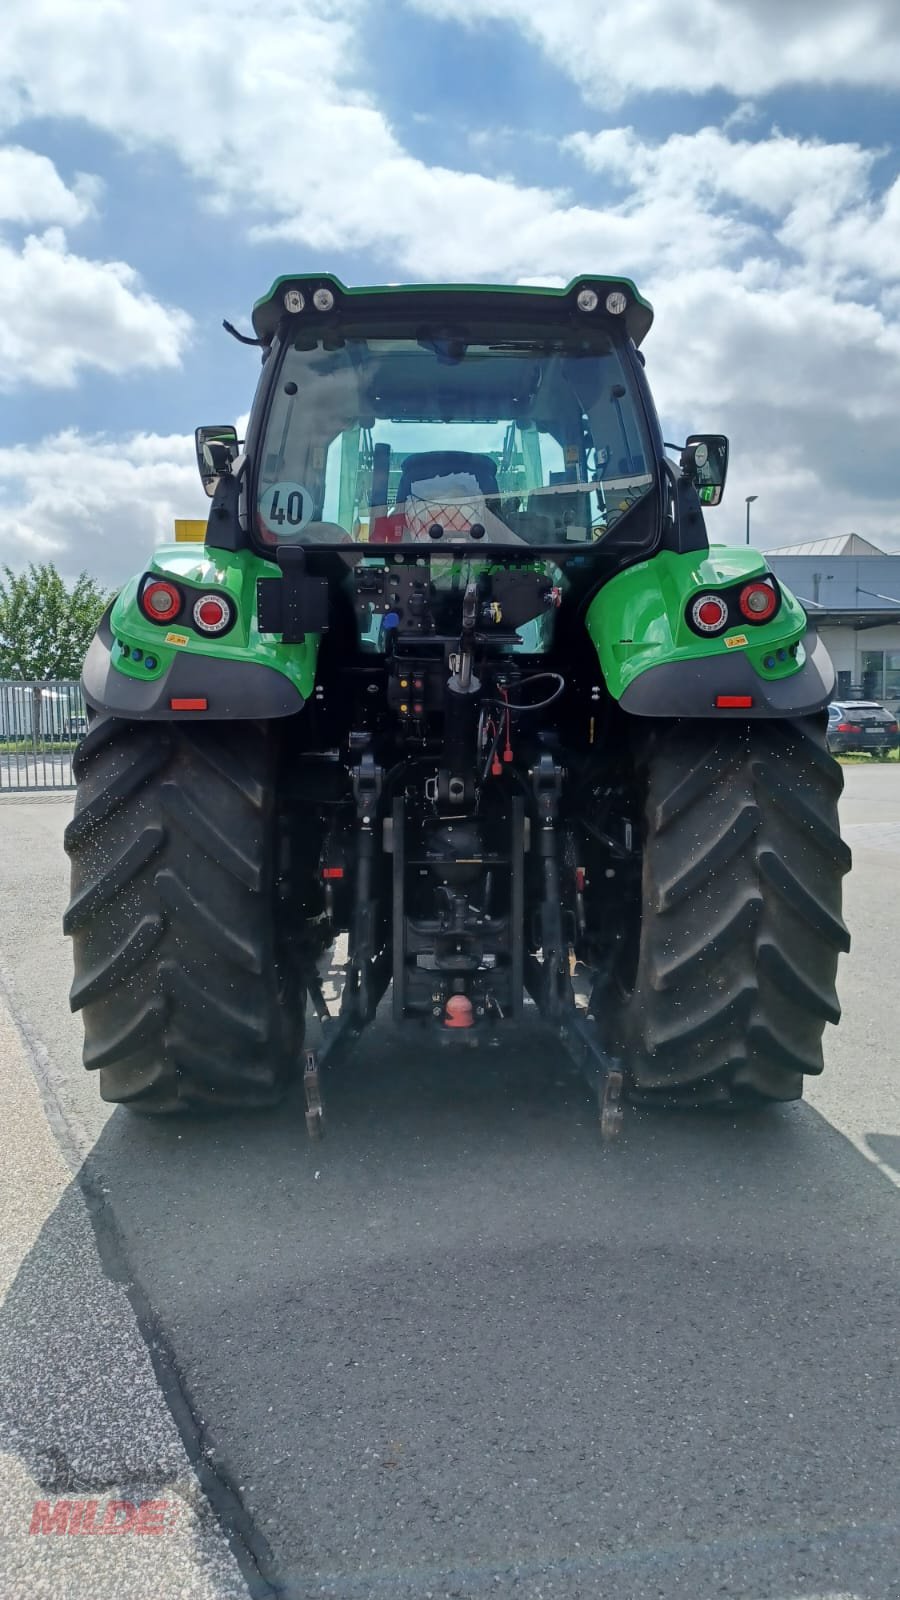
(286, 508)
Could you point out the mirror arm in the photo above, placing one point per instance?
(224, 531)
(686, 468)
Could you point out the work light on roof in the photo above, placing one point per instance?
(293, 301)
(616, 303)
(323, 300)
(588, 300)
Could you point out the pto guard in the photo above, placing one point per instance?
(656, 666)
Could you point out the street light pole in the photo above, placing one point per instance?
(750, 499)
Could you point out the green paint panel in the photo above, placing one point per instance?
(637, 620)
(197, 568)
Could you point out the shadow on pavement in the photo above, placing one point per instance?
(458, 1349)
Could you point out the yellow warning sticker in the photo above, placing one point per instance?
(734, 640)
(181, 638)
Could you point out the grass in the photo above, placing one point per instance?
(44, 747)
(858, 757)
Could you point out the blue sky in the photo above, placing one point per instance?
(160, 165)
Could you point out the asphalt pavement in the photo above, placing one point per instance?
(456, 1349)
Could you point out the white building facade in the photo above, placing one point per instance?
(854, 601)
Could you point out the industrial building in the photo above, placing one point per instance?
(851, 590)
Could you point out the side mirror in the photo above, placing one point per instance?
(216, 449)
(704, 460)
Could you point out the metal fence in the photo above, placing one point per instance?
(40, 725)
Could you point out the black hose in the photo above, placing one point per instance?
(533, 705)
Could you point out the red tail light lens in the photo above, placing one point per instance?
(161, 602)
(758, 602)
(709, 613)
(212, 613)
(848, 727)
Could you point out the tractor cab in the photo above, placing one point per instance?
(451, 432)
(417, 428)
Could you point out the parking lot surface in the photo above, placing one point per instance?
(456, 1349)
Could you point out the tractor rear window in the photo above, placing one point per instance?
(453, 437)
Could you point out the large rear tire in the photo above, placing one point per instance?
(733, 971)
(174, 916)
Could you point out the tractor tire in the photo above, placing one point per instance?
(174, 916)
(733, 970)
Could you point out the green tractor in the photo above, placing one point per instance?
(456, 674)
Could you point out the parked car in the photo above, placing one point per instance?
(861, 725)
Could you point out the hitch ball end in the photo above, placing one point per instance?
(458, 1012)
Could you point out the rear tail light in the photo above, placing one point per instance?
(758, 602)
(848, 727)
(891, 728)
(212, 613)
(160, 601)
(709, 613)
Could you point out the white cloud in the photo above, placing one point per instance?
(808, 389)
(32, 191)
(265, 109)
(773, 174)
(747, 47)
(95, 502)
(61, 313)
(773, 261)
(821, 199)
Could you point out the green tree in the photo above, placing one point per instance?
(45, 628)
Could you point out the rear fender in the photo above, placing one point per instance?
(655, 665)
(244, 674)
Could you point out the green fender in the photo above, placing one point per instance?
(654, 664)
(243, 674)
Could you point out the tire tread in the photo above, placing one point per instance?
(173, 916)
(741, 923)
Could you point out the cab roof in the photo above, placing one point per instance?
(522, 301)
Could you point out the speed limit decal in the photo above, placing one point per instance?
(286, 508)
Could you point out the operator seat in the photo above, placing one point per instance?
(457, 507)
(429, 464)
